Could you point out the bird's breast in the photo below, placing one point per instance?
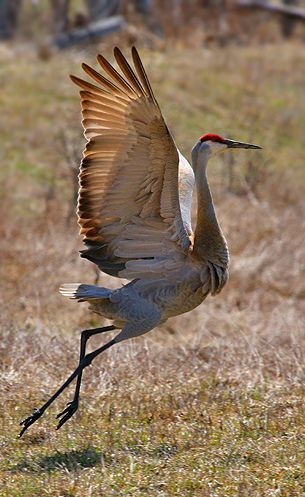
(180, 297)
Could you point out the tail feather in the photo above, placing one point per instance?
(83, 292)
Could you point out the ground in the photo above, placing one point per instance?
(211, 403)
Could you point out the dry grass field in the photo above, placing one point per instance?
(212, 403)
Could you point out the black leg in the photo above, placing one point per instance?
(72, 407)
(86, 361)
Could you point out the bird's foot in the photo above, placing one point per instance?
(27, 422)
(67, 413)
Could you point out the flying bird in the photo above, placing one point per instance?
(134, 212)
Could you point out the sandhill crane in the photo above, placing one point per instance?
(134, 210)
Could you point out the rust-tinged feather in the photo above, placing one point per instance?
(87, 86)
(105, 98)
(105, 108)
(115, 75)
(142, 74)
(102, 115)
(102, 125)
(127, 70)
(102, 80)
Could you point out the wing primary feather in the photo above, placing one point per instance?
(127, 70)
(142, 74)
(115, 75)
(104, 99)
(102, 80)
(88, 86)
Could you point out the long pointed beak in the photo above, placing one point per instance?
(234, 144)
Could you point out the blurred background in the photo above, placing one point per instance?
(234, 67)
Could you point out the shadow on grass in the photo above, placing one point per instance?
(70, 460)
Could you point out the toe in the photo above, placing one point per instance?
(67, 414)
(63, 412)
(64, 420)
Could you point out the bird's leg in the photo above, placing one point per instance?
(87, 359)
(72, 407)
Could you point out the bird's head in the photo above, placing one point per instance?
(212, 144)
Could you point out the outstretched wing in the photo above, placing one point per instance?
(128, 205)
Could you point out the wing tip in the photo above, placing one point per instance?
(74, 79)
(100, 58)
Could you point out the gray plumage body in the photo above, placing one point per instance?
(142, 304)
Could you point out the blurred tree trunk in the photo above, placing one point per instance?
(288, 22)
(60, 15)
(223, 25)
(9, 15)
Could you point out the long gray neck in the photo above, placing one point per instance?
(209, 242)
